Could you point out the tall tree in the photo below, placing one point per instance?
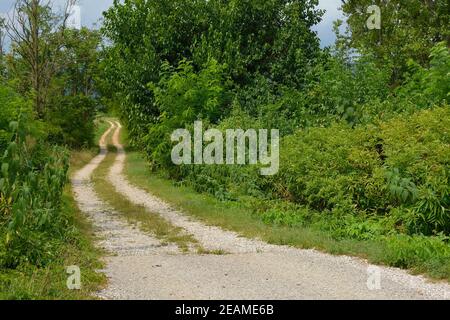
(73, 94)
(37, 35)
(2, 36)
(409, 29)
(80, 65)
(2, 50)
(268, 38)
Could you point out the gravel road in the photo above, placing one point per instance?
(139, 267)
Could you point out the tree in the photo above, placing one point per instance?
(409, 29)
(37, 35)
(252, 38)
(73, 92)
(80, 65)
(145, 34)
(271, 38)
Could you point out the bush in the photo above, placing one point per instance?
(32, 179)
(396, 170)
(403, 163)
(418, 147)
(11, 105)
(71, 121)
(408, 252)
(184, 96)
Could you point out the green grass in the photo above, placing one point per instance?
(240, 218)
(28, 282)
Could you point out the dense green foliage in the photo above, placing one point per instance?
(393, 163)
(69, 101)
(29, 282)
(40, 231)
(71, 121)
(47, 100)
(397, 169)
(74, 100)
(267, 40)
(204, 92)
(365, 148)
(11, 104)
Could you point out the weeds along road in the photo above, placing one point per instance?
(141, 266)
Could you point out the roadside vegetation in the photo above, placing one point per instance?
(47, 279)
(420, 254)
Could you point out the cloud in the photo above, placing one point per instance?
(325, 28)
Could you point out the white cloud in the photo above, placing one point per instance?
(325, 28)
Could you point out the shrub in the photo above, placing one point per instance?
(11, 105)
(418, 147)
(71, 121)
(398, 168)
(394, 173)
(32, 179)
(183, 96)
(400, 163)
(407, 252)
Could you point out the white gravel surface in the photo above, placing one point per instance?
(140, 268)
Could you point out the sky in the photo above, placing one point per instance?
(332, 13)
(91, 13)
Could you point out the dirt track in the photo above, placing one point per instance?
(139, 267)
